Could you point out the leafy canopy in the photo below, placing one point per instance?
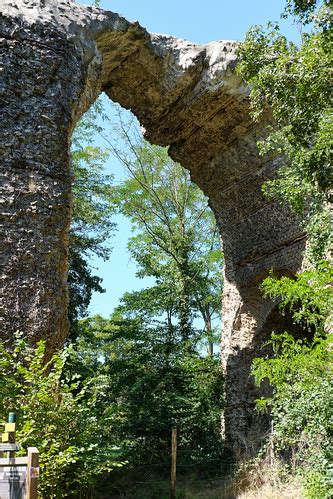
(175, 240)
(293, 84)
(93, 210)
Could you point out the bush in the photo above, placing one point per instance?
(58, 415)
(301, 378)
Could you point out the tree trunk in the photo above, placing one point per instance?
(184, 301)
(208, 329)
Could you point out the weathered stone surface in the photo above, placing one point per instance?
(58, 56)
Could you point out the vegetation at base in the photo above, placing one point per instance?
(300, 374)
(109, 401)
(300, 407)
(297, 456)
(154, 386)
(62, 415)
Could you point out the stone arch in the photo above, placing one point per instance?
(58, 57)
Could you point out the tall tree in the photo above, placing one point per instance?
(92, 222)
(175, 238)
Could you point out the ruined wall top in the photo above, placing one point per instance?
(167, 82)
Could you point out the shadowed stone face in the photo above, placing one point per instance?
(57, 57)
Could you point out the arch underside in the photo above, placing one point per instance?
(58, 57)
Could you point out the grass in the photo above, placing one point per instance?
(289, 490)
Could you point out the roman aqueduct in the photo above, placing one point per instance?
(58, 56)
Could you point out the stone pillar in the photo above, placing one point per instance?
(42, 86)
(259, 234)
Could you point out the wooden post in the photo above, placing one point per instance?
(173, 462)
(32, 473)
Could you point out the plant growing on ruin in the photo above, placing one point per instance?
(293, 82)
(300, 407)
(309, 297)
(300, 375)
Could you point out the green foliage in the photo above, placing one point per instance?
(92, 215)
(293, 82)
(300, 375)
(309, 297)
(155, 386)
(57, 414)
(304, 9)
(301, 406)
(175, 238)
(146, 353)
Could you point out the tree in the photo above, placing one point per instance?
(92, 215)
(154, 386)
(154, 374)
(60, 412)
(175, 238)
(294, 83)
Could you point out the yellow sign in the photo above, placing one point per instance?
(10, 427)
(34, 472)
(5, 437)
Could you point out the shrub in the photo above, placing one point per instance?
(300, 375)
(58, 415)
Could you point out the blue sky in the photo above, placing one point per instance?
(198, 21)
(201, 21)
